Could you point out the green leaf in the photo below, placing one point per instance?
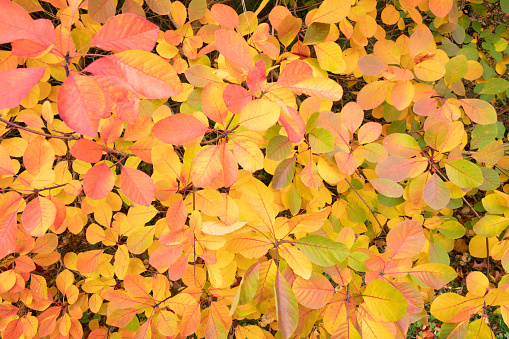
(322, 251)
(504, 4)
(384, 301)
(247, 288)
(452, 229)
(463, 173)
(279, 148)
(495, 86)
(287, 308)
(284, 173)
(491, 226)
(294, 200)
(455, 69)
(316, 33)
(311, 123)
(483, 135)
(491, 179)
(321, 140)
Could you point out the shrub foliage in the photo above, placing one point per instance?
(174, 170)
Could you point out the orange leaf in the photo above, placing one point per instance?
(81, 104)
(38, 216)
(440, 7)
(206, 166)
(225, 15)
(38, 156)
(179, 129)
(212, 102)
(176, 215)
(234, 48)
(370, 65)
(372, 95)
(87, 150)
(7, 280)
(126, 31)
(88, 261)
(101, 10)
(351, 116)
(406, 239)
(165, 256)
(320, 88)
(98, 181)
(15, 84)
(420, 41)
(295, 72)
(313, 293)
(190, 319)
(137, 186)
(5, 162)
(149, 74)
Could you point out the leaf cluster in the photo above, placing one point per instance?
(252, 177)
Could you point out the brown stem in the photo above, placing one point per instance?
(14, 125)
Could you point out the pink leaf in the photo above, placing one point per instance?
(137, 186)
(236, 98)
(126, 31)
(234, 48)
(98, 181)
(15, 84)
(81, 103)
(179, 129)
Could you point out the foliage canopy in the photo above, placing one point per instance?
(203, 172)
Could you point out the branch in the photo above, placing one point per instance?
(14, 125)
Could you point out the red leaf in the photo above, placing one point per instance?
(179, 129)
(81, 104)
(234, 48)
(137, 186)
(87, 150)
(98, 181)
(126, 31)
(236, 98)
(15, 84)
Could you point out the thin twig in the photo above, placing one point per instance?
(365, 203)
(14, 125)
